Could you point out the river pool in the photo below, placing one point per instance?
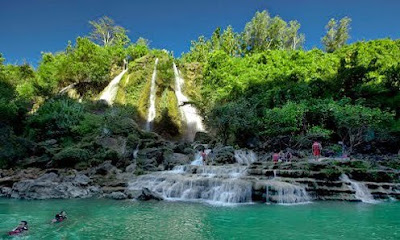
(109, 219)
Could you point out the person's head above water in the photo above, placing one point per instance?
(23, 223)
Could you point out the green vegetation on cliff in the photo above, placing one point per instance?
(287, 97)
(256, 88)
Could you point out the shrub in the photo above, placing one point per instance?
(70, 156)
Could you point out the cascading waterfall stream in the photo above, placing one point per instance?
(194, 122)
(245, 157)
(110, 92)
(362, 193)
(220, 185)
(152, 107)
(285, 193)
(67, 88)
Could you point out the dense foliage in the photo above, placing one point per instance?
(256, 88)
(272, 95)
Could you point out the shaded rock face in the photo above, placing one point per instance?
(53, 186)
(222, 155)
(202, 137)
(5, 191)
(116, 144)
(147, 195)
(105, 168)
(143, 194)
(117, 196)
(175, 159)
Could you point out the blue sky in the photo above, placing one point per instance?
(28, 27)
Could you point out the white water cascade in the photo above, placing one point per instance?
(67, 88)
(245, 157)
(198, 159)
(362, 192)
(152, 107)
(194, 122)
(285, 193)
(110, 92)
(220, 185)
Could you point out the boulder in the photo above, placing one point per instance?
(51, 185)
(117, 145)
(5, 191)
(222, 155)
(133, 194)
(147, 195)
(175, 159)
(202, 137)
(183, 147)
(106, 168)
(131, 168)
(117, 196)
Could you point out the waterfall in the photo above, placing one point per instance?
(194, 122)
(285, 193)
(362, 192)
(221, 185)
(110, 92)
(135, 152)
(152, 107)
(62, 91)
(245, 157)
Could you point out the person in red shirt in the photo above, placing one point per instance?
(316, 149)
(275, 157)
(204, 156)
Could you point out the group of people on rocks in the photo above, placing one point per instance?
(288, 156)
(23, 225)
(282, 157)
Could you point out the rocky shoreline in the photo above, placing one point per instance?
(320, 180)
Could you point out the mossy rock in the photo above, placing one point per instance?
(124, 126)
(223, 155)
(202, 137)
(68, 157)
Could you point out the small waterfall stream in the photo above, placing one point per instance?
(362, 192)
(285, 193)
(152, 106)
(221, 185)
(65, 89)
(245, 157)
(194, 122)
(110, 92)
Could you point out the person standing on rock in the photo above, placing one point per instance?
(275, 157)
(316, 149)
(289, 156)
(204, 157)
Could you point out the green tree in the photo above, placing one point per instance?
(337, 34)
(256, 32)
(357, 124)
(230, 42)
(105, 32)
(199, 50)
(293, 40)
(216, 39)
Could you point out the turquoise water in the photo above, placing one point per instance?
(107, 219)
